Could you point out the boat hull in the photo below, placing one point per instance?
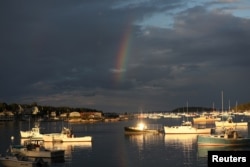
(214, 140)
(185, 130)
(138, 130)
(229, 124)
(65, 138)
(205, 120)
(52, 137)
(29, 134)
(11, 162)
(53, 155)
(77, 139)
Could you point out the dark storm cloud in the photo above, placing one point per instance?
(61, 52)
(202, 51)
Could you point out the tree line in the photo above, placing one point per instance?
(15, 108)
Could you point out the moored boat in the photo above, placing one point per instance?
(65, 136)
(186, 128)
(33, 149)
(229, 123)
(20, 160)
(141, 128)
(7, 116)
(33, 133)
(230, 137)
(206, 119)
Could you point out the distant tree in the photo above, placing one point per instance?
(3, 106)
(34, 104)
(242, 107)
(13, 107)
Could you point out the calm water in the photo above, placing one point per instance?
(112, 148)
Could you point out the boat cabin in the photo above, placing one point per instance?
(187, 123)
(67, 131)
(230, 134)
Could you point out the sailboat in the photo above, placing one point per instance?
(186, 128)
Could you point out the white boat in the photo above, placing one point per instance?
(186, 128)
(76, 139)
(7, 116)
(33, 133)
(206, 119)
(19, 161)
(246, 113)
(65, 136)
(175, 116)
(229, 123)
(33, 149)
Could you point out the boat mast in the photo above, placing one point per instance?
(221, 101)
(29, 122)
(187, 106)
(236, 106)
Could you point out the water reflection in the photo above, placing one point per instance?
(143, 140)
(180, 140)
(146, 149)
(203, 150)
(69, 147)
(185, 144)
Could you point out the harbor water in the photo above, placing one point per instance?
(111, 147)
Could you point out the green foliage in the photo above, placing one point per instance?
(3, 106)
(44, 109)
(242, 107)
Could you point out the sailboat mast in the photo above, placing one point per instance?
(236, 106)
(187, 106)
(222, 101)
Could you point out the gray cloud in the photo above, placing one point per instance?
(66, 54)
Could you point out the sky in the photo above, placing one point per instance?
(125, 56)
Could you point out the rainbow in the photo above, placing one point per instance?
(123, 54)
